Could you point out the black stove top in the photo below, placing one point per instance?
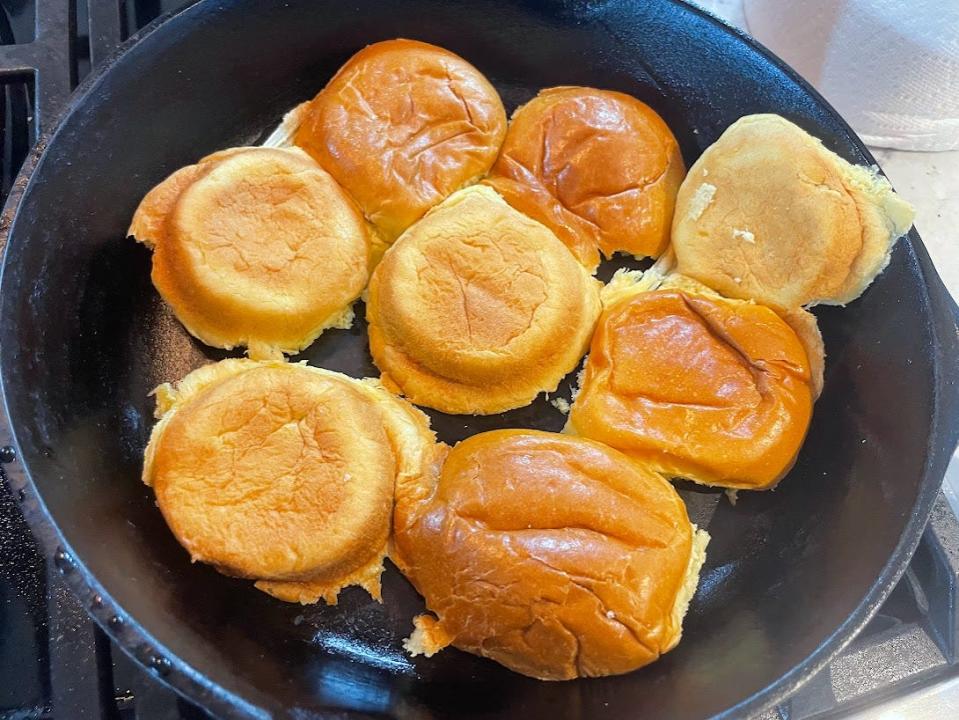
(56, 663)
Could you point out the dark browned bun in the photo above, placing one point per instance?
(698, 386)
(599, 168)
(401, 126)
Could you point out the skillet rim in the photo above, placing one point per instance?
(142, 647)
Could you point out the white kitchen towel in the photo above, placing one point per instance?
(891, 67)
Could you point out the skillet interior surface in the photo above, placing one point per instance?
(86, 338)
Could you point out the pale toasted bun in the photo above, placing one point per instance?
(698, 386)
(401, 126)
(283, 473)
(599, 168)
(256, 247)
(553, 555)
(477, 308)
(767, 213)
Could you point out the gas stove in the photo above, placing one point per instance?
(57, 664)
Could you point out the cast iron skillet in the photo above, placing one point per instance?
(791, 574)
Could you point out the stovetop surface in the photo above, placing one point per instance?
(57, 664)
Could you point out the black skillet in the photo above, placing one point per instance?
(791, 574)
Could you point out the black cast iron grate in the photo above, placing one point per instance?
(57, 664)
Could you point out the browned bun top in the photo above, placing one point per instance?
(477, 308)
(553, 555)
(282, 473)
(401, 126)
(599, 168)
(257, 247)
(698, 386)
(769, 214)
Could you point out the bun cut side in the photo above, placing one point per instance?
(769, 214)
(283, 473)
(255, 247)
(477, 308)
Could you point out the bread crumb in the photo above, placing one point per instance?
(561, 404)
(428, 637)
(610, 614)
(700, 200)
(342, 320)
(580, 376)
(744, 235)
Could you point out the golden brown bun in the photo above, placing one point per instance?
(401, 126)
(625, 283)
(257, 247)
(697, 386)
(282, 473)
(767, 213)
(599, 168)
(477, 308)
(553, 555)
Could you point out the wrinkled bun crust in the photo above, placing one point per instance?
(281, 473)
(477, 308)
(401, 126)
(553, 555)
(767, 213)
(714, 390)
(255, 247)
(600, 169)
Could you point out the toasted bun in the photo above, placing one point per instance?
(401, 126)
(255, 247)
(768, 213)
(477, 308)
(282, 473)
(626, 283)
(600, 169)
(553, 555)
(697, 386)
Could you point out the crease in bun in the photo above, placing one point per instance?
(284, 473)
(768, 213)
(555, 556)
(476, 309)
(256, 247)
(696, 385)
(599, 168)
(627, 283)
(402, 125)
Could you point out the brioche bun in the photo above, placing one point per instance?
(401, 126)
(626, 283)
(697, 386)
(556, 556)
(599, 168)
(767, 213)
(255, 247)
(477, 308)
(283, 473)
